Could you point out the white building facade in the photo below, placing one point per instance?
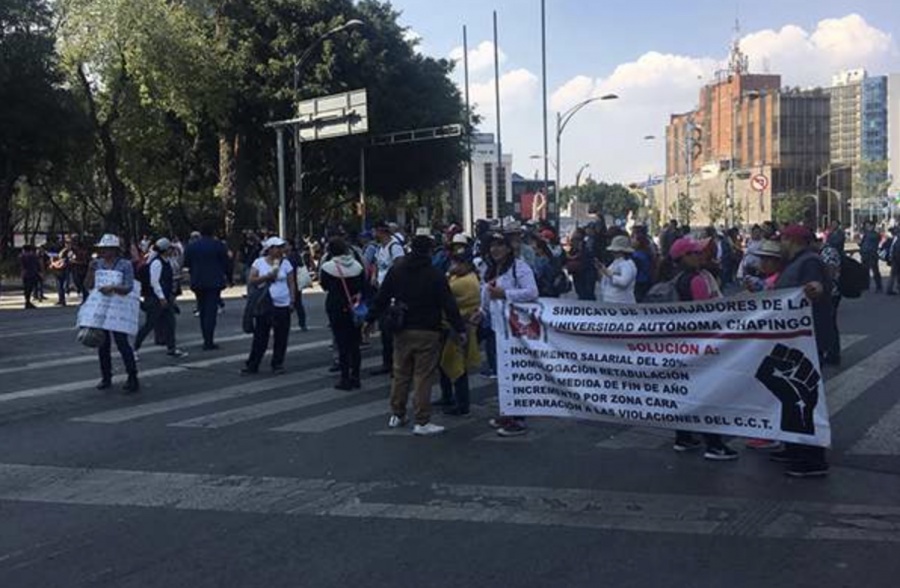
(488, 202)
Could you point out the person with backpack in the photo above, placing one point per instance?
(693, 283)
(157, 280)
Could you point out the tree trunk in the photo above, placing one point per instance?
(228, 176)
(6, 228)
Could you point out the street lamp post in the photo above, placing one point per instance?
(298, 150)
(562, 121)
(827, 174)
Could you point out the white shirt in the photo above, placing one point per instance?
(386, 256)
(279, 289)
(619, 287)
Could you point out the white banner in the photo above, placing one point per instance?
(120, 314)
(744, 366)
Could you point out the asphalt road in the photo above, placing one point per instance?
(208, 479)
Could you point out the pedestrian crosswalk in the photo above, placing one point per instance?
(304, 402)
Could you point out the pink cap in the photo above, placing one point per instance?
(798, 233)
(686, 245)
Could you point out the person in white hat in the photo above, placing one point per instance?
(272, 271)
(617, 281)
(110, 259)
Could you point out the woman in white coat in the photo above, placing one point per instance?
(617, 281)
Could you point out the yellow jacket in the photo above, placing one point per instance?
(454, 360)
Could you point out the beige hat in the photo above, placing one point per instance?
(769, 248)
(620, 244)
(460, 239)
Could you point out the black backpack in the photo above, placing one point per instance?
(854, 279)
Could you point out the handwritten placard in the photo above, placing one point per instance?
(114, 312)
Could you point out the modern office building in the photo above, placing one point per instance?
(893, 142)
(492, 191)
(746, 126)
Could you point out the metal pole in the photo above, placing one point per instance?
(734, 125)
(362, 187)
(468, 132)
(688, 154)
(558, 212)
(546, 140)
(282, 199)
(298, 181)
(500, 174)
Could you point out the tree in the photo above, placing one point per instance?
(682, 209)
(714, 208)
(871, 184)
(37, 116)
(612, 199)
(793, 207)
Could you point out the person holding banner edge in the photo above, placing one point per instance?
(693, 283)
(506, 278)
(109, 259)
(806, 269)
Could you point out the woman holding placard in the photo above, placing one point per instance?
(113, 275)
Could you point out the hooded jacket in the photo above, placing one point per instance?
(331, 274)
(414, 281)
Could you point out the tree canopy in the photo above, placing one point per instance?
(613, 199)
(129, 115)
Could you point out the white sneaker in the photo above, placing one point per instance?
(137, 357)
(396, 422)
(427, 430)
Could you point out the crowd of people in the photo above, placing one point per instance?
(429, 295)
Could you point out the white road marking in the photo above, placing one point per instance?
(882, 438)
(854, 381)
(163, 371)
(339, 418)
(573, 508)
(266, 409)
(245, 388)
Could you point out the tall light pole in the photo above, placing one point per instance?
(298, 153)
(827, 174)
(546, 131)
(562, 121)
(736, 107)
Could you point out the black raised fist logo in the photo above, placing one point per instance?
(793, 379)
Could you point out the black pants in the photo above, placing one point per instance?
(62, 284)
(208, 307)
(487, 336)
(78, 274)
(278, 321)
(104, 352)
(348, 338)
(586, 286)
(159, 319)
(870, 261)
(833, 352)
(30, 285)
(456, 391)
(387, 347)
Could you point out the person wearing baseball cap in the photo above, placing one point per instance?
(805, 269)
(693, 283)
(111, 261)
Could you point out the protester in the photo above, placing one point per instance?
(110, 259)
(750, 264)
(31, 273)
(417, 284)
(207, 259)
(457, 359)
(344, 281)
(390, 250)
(617, 282)
(581, 267)
(507, 278)
(832, 259)
(159, 300)
(893, 260)
(805, 269)
(669, 235)
(298, 256)
(273, 272)
(78, 257)
(836, 237)
(868, 249)
(645, 261)
(696, 284)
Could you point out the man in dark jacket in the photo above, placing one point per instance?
(414, 282)
(868, 250)
(805, 269)
(207, 259)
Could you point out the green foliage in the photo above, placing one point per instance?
(613, 199)
(715, 208)
(793, 207)
(682, 209)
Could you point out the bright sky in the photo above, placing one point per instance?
(655, 54)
